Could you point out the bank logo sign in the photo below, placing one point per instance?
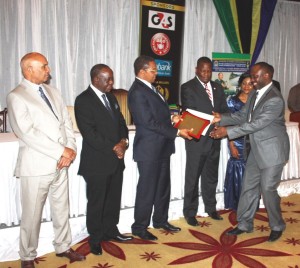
(161, 20)
(164, 68)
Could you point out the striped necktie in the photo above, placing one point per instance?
(208, 92)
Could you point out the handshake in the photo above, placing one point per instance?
(218, 132)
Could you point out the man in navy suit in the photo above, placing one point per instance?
(152, 148)
(202, 156)
(105, 140)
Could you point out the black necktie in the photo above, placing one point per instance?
(107, 105)
(252, 106)
(44, 97)
(247, 146)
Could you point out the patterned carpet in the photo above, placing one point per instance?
(205, 246)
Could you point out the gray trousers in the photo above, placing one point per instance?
(34, 192)
(259, 182)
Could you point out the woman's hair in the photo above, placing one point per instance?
(241, 79)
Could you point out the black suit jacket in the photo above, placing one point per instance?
(194, 96)
(100, 133)
(154, 138)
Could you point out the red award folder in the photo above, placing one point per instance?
(189, 121)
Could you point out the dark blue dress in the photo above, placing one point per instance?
(235, 167)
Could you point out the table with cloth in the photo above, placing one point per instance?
(10, 208)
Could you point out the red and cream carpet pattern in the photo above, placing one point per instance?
(205, 246)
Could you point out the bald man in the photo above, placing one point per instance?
(39, 118)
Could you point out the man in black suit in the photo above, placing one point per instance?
(152, 148)
(202, 156)
(105, 140)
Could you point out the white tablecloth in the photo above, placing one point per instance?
(10, 209)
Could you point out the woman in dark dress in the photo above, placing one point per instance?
(236, 162)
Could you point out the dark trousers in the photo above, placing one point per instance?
(153, 192)
(205, 165)
(103, 206)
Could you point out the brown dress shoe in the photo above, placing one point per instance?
(71, 255)
(27, 264)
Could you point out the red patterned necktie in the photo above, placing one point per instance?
(208, 92)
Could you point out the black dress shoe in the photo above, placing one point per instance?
(145, 235)
(274, 235)
(237, 231)
(168, 227)
(215, 215)
(192, 221)
(96, 249)
(122, 238)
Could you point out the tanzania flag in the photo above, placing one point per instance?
(246, 23)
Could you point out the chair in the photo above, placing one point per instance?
(3, 121)
(121, 95)
(295, 117)
(73, 119)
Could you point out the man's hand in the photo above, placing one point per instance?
(120, 148)
(69, 153)
(217, 117)
(67, 158)
(176, 118)
(233, 150)
(64, 162)
(185, 133)
(218, 133)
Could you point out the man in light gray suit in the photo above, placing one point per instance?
(39, 118)
(262, 119)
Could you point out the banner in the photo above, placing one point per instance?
(161, 38)
(227, 68)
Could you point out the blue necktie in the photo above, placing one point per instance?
(154, 89)
(44, 97)
(107, 105)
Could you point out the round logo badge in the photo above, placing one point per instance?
(160, 44)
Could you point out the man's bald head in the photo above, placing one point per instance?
(35, 68)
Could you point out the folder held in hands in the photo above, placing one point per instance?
(189, 121)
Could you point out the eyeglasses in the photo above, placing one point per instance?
(151, 70)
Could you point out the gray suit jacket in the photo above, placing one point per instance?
(42, 136)
(266, 128)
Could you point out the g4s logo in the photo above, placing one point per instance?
(161, 20)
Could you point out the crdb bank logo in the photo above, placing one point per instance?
(161, 20)
(164, 67)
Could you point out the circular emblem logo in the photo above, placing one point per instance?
(160, 44)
